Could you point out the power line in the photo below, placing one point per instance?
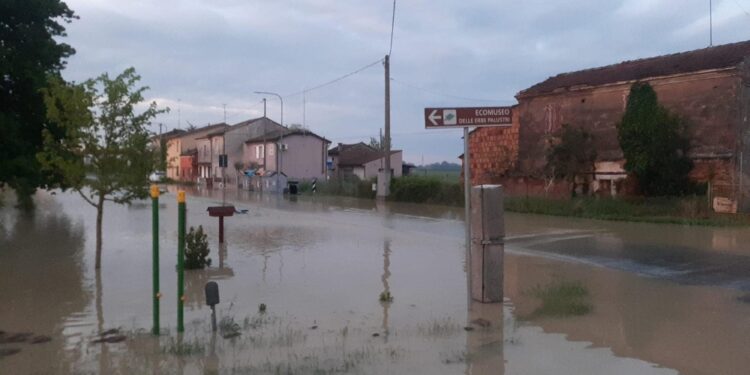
(742, 8)
(447, 95)
(340, 78)
(393, 22)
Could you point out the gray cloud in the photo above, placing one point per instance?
(209, 53)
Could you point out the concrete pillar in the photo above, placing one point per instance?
(487, 246)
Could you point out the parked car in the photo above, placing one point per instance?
(157, 176)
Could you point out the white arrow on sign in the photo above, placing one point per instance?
(433, 116)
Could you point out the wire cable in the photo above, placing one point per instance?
(340, 78)
(393, 22)
(742, 8)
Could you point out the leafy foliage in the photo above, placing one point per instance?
(376, 143)
(654, 144)
(571, 155)
(104, 154)
(419, 189)
(29, 54)
(196, 249)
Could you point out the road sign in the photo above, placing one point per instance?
(435, 118)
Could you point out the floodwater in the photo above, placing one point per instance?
(665, 299)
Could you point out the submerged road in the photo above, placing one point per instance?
(691, 255)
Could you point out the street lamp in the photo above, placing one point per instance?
(279, 157)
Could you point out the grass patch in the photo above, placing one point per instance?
(561, 299)
(692, 210)
(427, 189)
(180, 348)
(439, 328)
(386, 297)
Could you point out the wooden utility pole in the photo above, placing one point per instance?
(387, 138)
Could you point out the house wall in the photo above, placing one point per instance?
(371, 168)
(305, 157)
(173, 158)
(235, 143)
(249, 155)
(188, 168)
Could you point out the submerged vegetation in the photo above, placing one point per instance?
(561, 299)
(386, 297)
(196, 249)
(683, 210)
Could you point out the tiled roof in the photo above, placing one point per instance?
(277, 134)
(356, 154)
(718, 57)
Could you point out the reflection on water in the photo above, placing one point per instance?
(43, 287)
(386, 293)
(320, 263)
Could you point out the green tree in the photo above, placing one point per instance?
(105, 154)
(196, 249)
(376, 143)
(654, 144)
(572, 155)
(29, 54)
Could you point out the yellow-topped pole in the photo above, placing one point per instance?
(180, 260)
(155, 254)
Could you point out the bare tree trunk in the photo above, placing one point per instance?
(99, 215)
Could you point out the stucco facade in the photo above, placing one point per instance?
(303, 157)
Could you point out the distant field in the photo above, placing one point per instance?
(446, 175)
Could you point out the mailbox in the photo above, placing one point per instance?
(212, 293)
(220, 211)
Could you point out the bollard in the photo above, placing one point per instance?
(212, 299)
(180, 260)
(314, 185)
(487, 234)
(155, 254)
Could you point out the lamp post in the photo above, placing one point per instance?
(279, 157)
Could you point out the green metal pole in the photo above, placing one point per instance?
(155, 261)
(180, 260)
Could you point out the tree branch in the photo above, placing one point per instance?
(86, 198)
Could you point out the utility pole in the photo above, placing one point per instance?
(710, 23)
(387, 139)
(264, 108)
(279, 158)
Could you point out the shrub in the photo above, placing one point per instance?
(425, 189)
(196, 249)
(654, 144)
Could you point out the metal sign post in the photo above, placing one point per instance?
(155, 256)
(466, 117)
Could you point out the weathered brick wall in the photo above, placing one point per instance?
(493, 152)
(707, 101)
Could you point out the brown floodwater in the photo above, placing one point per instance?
(665, 299)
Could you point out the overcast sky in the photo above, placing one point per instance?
(199, 55)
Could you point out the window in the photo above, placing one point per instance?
(205, 150)
(270, 151)
(258, 151)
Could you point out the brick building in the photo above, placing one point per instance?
(708, 88)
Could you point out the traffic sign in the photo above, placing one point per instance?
(466, 117)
